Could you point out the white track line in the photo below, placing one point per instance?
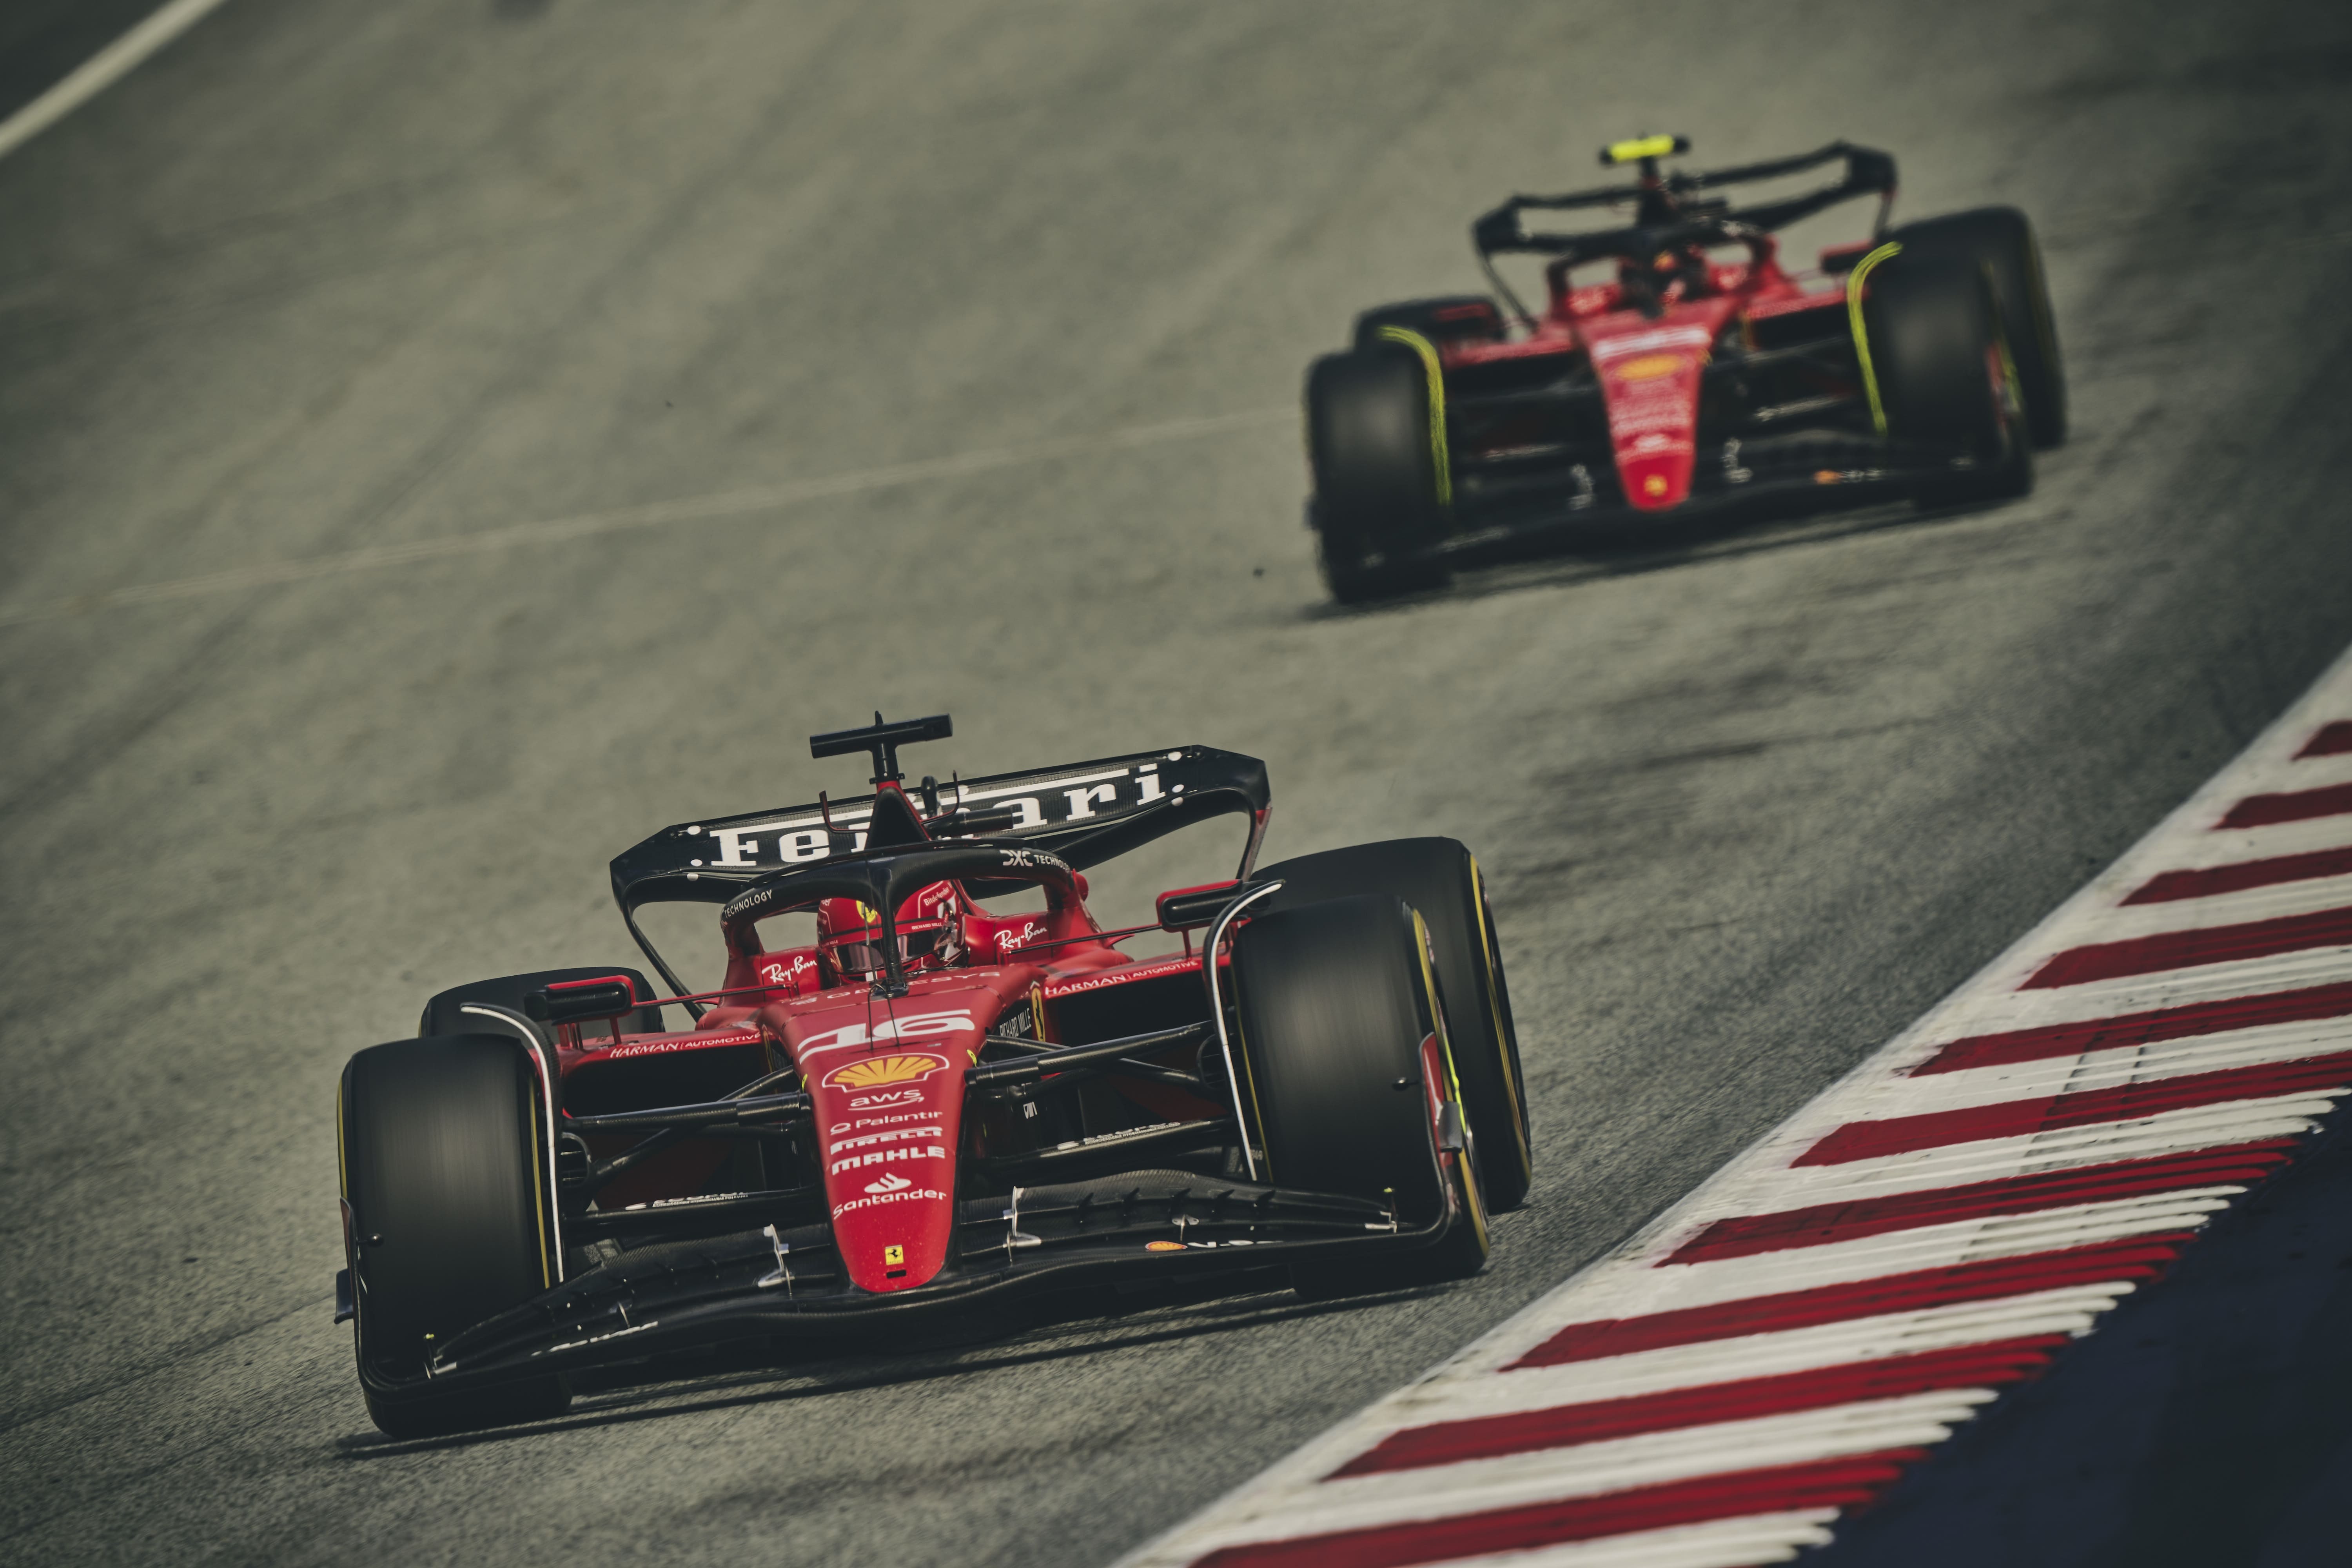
(1663, 1316)
(2266, 903)
(1662, 1288)
(1651, 1460)
(1772, 1537)
(653, 514)
(101, 70)
(2143, 993)
(2229, 846)
(2114, 1067)
(2068, 1312)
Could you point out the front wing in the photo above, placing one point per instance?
(1831, 472)
(1143, 1226)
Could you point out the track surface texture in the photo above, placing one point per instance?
(984, 328)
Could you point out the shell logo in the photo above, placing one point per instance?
(878, 1072)
(1649, 367)
(1656, 485)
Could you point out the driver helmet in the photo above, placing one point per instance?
(1686, 265)
(930, 928)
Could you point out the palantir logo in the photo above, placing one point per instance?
(891, 1184)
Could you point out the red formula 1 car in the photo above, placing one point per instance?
(906, 1100)
(1696, 373)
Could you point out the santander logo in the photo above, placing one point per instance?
(891, 1184)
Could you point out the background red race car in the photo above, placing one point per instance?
(905, 1101)
(1696, 373)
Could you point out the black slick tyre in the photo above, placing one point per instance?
(444, 1172)
(1439, 877)
(1376, 451)
(1335, 1002)
(1945, 378)
(2002, 241)
(446, 1015)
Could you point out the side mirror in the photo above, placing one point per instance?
(582, 1001)
(1188, 909)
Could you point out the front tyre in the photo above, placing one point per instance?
(452, 1219)
(2000, 240)
(1344, 1044)
(1945, 377)
(1439, 877)
(1376, 449)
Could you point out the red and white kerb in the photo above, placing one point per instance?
(1822, 1312)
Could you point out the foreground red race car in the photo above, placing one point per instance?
(904, 1101)
(1694, 374)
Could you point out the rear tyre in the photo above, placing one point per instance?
(2000, 240)
(1335, 1000)
(1452, 318)
(1378, 507)
(445, 1171)
(446, 1015)
(1439, 877)
(1944, 376)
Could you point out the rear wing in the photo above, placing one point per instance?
(1086, 812)
(1867, 172)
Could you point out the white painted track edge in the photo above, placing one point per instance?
(102, 71)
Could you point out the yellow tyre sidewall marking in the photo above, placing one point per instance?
(1853, 283)
(1487, 943)
(1440, 464)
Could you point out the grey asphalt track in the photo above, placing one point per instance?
(296, 319)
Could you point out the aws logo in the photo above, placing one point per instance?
(880, 1072)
